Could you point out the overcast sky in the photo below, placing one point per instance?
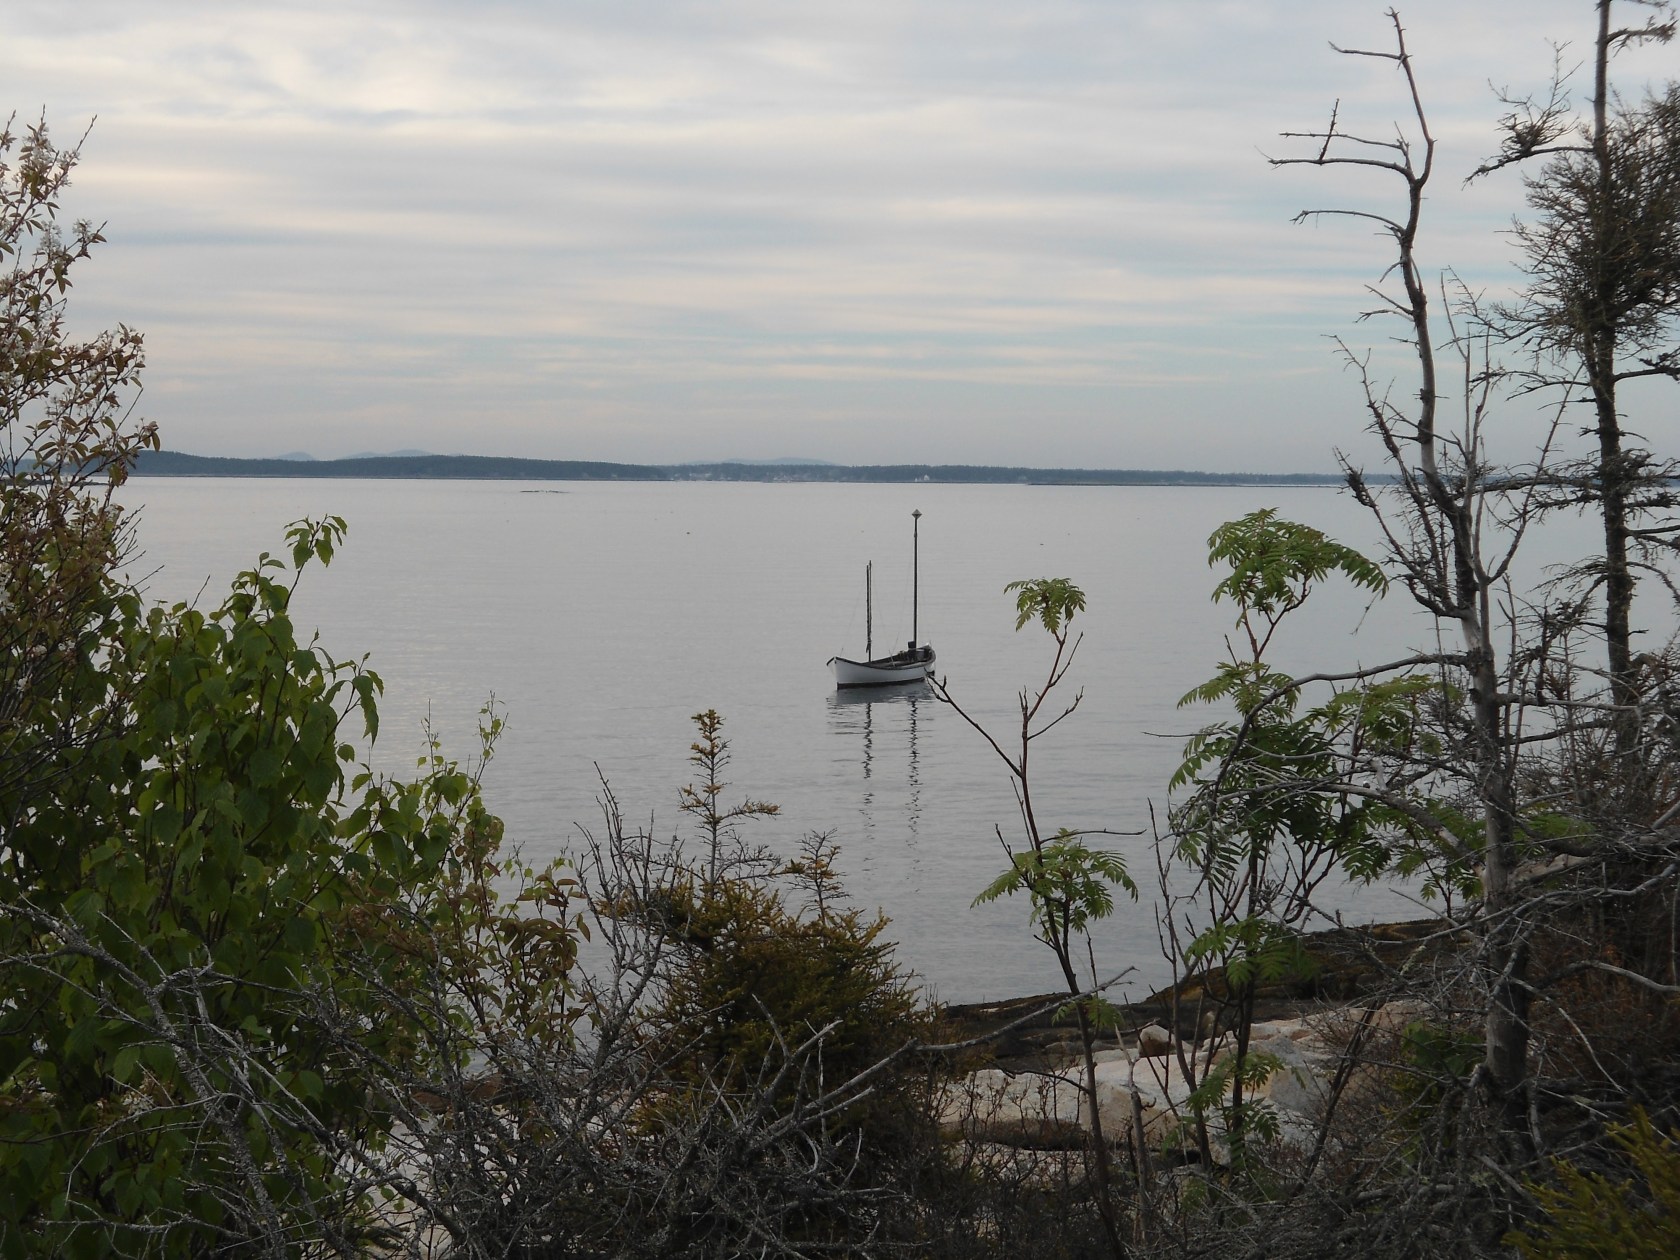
(989, 231)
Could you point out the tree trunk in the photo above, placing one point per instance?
(1505, 952)
(1598, 356)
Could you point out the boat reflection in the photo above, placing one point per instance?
(900, 693)
(887, 712)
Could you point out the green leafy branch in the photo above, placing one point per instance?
(1069, 884)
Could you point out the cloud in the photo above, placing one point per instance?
(1026, 228)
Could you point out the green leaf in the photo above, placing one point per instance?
(123, 1064)
(1050, 601)
(307, 1085)
(1275, 563)
(264, 765)
(1008, 883)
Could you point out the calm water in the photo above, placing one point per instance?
(603, 615)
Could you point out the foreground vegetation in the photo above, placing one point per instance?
(258, 999)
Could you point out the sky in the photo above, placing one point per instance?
(887, 231)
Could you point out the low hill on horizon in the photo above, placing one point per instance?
(511, 468)
(450, 467)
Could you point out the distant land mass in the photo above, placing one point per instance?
(784, 460)
(507, 468)
(457, 467)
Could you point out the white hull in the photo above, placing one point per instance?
(909, 666)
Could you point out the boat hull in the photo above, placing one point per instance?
(886, 671)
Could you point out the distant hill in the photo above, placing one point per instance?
(457, 467)
(504, 468)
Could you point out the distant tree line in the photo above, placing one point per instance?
(499, 468)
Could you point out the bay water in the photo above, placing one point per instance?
(601, 616)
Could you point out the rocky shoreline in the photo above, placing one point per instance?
(1349, 965)
(1024, 1086)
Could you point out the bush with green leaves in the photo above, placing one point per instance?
(182, 832)
(747, 973)
(1278, 798)
(67, 439)
(169, 920)
(1592, 1216)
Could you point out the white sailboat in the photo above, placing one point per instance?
(915, 662)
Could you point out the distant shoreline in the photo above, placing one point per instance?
(502, 468)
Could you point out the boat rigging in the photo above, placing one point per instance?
(915, 662)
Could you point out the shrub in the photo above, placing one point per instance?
(1590, 1216)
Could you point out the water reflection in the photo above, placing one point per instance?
(853, 714)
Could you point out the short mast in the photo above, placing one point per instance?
(869, 611)
(915, 574)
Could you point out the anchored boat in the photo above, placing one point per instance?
(915, 662)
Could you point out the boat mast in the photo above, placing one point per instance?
(915, 573)
(869, 611)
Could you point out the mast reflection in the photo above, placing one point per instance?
(853, 713)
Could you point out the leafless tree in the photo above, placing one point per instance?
(1438, 526)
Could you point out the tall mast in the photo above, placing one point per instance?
(869, 611)
(915, 574)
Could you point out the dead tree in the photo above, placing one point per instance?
(1436, 524)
